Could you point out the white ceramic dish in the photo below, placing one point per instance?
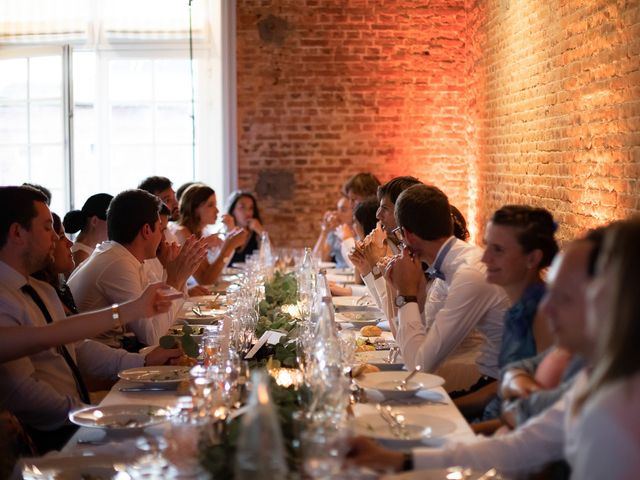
(160, 375)
(386, 383)
(119, 417)
(418, 427)
(379, 358)
(359, 319)
(340, 271)
(353, 301)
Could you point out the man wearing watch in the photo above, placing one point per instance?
(464, 314)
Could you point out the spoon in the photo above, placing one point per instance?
(403, 384)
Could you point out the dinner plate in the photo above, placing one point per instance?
(351, 302)
(160, 375)
(70, 468)
(418, 427)
(347, 271)
(326, 265)
(359, 319)
(378, 358)
(385, 383)
(119, 417)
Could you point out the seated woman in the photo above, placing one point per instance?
(334, 229)
(242, 212)
(596, 424)
(364, 222)
(198, 210)
(519, 244)
(91, 221)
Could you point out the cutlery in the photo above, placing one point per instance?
(393, 354)
(87, 441)
(196, 310)
(144, 389)
(403, 384)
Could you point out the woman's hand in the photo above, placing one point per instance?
(236, 238)
(229, 221)
(517, 384)
(255, 226)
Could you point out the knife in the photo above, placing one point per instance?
(144, 389)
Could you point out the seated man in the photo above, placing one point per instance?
(41, 389)
(115, 272)
(469, 316)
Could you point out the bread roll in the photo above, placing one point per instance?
(370, 331)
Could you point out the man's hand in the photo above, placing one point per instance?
(373, 245)
(359, 261)
(517, 384)
(367, 453)
(330, 221)
(186, 262)
(198, 290)
(162, 356)
(405, 273)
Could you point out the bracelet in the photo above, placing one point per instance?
(407, 461)
(115, 314)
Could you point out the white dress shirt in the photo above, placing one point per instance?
(467, 312)
(602, 441)
(113, 275)
(40, 389)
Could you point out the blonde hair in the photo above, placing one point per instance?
(617, 353)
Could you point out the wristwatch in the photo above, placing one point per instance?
(402, 300)
(377, 273)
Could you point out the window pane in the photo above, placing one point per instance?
(13, 79)
(45, 77)
(84, 77)
(175, 162)
(46, 122)
(130, 80)
(173, 123)
(47, 168)
(14, 165)
(131, 124)
(84, 124)
(13, 124)
(128, 165)
(87, 173)
(173, 80)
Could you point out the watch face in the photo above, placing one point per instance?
(400, 301)
(376, 270)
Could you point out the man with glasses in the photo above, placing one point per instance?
(463, 317)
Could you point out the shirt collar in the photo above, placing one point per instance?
(12, 278)
(437, 270)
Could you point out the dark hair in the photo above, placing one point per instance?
(96, 205)
(128, 212)
(45, 191)
(164, 210)
(394, 187)
(237, 195)
(459, 224)
(596, 237)
(191, 199)
(182, 188)
(425, 211)
(536, 229)
(362, 184)
(155, 185)
(365, 214)
(18, 207)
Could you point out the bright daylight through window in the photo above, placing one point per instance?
(97, 99)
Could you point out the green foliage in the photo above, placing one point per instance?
(189, 346)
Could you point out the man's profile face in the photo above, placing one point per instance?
(564, 304)
(168, 196)
(40, 239)
(386, 215)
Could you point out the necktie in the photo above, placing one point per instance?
(82, 389)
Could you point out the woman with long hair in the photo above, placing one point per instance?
(242, 212)
(198, 209)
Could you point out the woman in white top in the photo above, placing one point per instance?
(596, 425)
(91, 222)
(197, 210)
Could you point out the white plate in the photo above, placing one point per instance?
(419, 428)
(326, 264)
(385, 383)
(353, 301)
(70, 468)
(119, 417)
(378, 358)
(360, 319)
(161, 375)
(340, 271)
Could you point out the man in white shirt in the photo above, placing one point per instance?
(115, 272)
(471, 311)
(42, 388)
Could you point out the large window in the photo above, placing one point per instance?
(99, 102)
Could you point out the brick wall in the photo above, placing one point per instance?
(495, 101)
(558, 108)
(330, 88)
